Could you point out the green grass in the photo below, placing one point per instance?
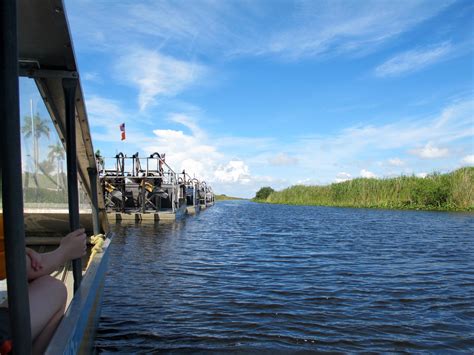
(444, 192)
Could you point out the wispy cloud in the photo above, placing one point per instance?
(359, 148)
(414, 60)
(92, 77)
(105, 116)
(283, 159)
(333, 27)
(305, 28)
(104, 112)
(155, 74)
(396, 162)
(188, 122)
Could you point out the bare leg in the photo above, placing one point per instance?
(42, 340)
(47, 302)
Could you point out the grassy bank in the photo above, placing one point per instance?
(444, 192)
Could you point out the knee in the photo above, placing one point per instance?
(56, 289)
(59, 289)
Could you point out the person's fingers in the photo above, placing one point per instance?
(78, 232)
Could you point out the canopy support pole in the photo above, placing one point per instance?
(12, 191)
(94, 200)
(69, 87)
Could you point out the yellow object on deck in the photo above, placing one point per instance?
(98, 241)
(109, 187)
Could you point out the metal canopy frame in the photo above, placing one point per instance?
(35, 42)
(46, 54)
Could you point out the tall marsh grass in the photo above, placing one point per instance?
(453, 191)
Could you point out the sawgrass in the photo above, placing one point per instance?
(449, 192)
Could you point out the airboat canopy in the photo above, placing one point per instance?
(46, 54)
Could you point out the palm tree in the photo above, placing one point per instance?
(56, 152)
(36, 127)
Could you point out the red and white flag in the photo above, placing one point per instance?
(122, 129)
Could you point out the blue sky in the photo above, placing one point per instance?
(245, 94)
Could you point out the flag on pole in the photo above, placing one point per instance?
(122, 129)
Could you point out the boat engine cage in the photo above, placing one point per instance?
(141, 184)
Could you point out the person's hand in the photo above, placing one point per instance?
(74, 245)
(35, 259)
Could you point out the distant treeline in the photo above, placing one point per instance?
(224, 197)
(450, 192)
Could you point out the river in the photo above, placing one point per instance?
(245, 277)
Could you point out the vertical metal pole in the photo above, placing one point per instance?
(12, 192)
(94, 200)
(194, 194)
(143, 192)
(69, 87)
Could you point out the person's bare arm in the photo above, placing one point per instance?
(72, 246)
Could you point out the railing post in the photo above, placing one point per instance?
(12, 192)
(94, 200)
(69, 87)
(194, 195)
(143, 193)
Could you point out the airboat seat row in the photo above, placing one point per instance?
(148, 189)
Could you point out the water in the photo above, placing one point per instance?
(247, 277)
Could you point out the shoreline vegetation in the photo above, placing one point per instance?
(436, 192)
(224, 197)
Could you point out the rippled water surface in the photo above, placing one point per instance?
(248, 277)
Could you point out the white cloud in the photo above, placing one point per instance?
(413, 60)
(367, 174)
(421, 175)
(429, 151)
(185, 151)
(200, 156)
(396, 162)
(342, 176)
(282, 159)
(233, 171)
(468, 159)
(155, 74)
